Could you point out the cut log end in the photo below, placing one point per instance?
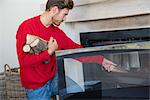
(26, 48)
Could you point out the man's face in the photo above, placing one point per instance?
(60, 16)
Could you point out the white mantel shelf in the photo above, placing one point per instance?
(86, 10)
(87, 2)
(127, 46)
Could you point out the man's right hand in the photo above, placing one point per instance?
(52, 45)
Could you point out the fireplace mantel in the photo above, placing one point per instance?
(87, 2)
(86, 10)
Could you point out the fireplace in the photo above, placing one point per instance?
(129, 48)
(91, 39)
(120, 35)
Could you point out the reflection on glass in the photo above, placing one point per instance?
(82, 77)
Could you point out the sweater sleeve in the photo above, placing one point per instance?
(91, 59)
(27, 59)
(68, 43)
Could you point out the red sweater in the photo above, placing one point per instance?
(34, 73)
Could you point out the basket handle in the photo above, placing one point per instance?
(7, 68)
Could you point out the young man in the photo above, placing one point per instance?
(39, 77)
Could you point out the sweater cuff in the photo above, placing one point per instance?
(101, 59)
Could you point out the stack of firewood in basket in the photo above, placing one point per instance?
(2, 87)
(13, 88)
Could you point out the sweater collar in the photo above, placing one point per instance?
(41, 24)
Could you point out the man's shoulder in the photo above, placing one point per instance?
(26, 26)
(28, 21)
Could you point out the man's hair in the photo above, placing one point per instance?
(61, 4)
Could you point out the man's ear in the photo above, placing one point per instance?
(55, 10)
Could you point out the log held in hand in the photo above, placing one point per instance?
(34, 44)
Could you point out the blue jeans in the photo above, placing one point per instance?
(44, 92)
(51, 89)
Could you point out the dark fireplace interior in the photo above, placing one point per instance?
(91, 39)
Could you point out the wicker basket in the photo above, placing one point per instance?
(14, 90)
(2, 87)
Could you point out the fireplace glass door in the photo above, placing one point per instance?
(88, 80)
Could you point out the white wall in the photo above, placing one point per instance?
(13, 12)
(1, 24)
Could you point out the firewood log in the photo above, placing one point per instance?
(26, 48)
(34, 44)
(39, 45)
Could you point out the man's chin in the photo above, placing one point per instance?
(56, 24)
